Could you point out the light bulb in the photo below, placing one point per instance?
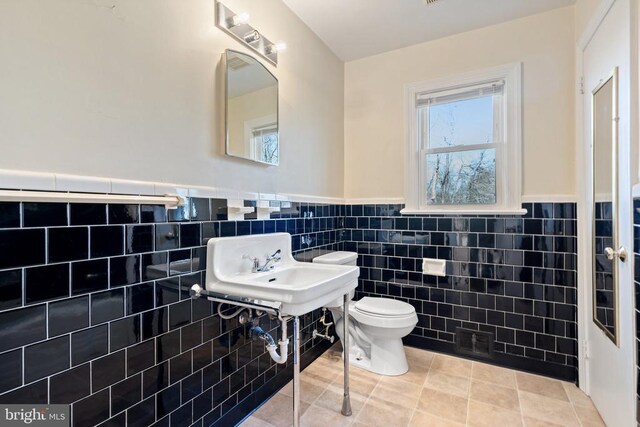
(251, 36)
(276, 47)
(239, 19)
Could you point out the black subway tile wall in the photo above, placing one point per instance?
(95, 312)
(511, 276)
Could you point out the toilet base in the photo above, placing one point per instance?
(387, 357)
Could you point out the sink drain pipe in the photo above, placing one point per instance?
(272, 348)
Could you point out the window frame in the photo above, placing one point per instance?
(508, 155)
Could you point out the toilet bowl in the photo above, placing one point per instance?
(376, 326)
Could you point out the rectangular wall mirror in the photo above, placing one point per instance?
(251, 118)
(605, 194)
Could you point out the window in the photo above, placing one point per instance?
(464, 139)
(265, 144)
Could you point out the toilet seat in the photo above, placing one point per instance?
(384, 313)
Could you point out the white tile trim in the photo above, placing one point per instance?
(556, 198)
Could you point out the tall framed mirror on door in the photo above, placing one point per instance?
(605, 197)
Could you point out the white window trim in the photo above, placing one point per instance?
(511, 196)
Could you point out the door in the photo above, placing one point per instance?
(607, 285)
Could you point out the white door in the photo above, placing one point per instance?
(609, 370)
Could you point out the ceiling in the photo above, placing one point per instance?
(358, 28)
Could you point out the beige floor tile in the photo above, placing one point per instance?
(417, 357)
(588, 414)
(396, 391)
(532, 422)
(448, 383)
(483, 415)
(380, 413)
(279, 411)
(503, 397)
(576, 396)
(309, 390)
(451, 365)
(332, 398)
(255, 422)
(443, 405)
(421, 419)
(493, 374)
(323, 371)
(317, 416)
(360, 381)
(547, 409)
(547, 387)
(417, 372)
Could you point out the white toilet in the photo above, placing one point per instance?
(376, 326)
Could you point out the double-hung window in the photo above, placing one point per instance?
(464, 143)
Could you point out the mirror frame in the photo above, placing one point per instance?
(226, 107)
(613, 77)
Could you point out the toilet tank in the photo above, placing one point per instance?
(337, 258)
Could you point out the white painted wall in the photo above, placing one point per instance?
(545, 44)
(132, 89)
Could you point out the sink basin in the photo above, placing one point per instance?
(299, 287)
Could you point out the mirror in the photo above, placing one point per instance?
(251, 109)
(605, 184)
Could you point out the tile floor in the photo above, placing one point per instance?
(438, 391)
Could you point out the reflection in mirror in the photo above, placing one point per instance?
(251, 109)
(605, 207)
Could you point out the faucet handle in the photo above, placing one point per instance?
(254, 260)
(275, 256)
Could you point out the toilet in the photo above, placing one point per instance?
(376, 326)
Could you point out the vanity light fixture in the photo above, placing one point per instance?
(237, 26)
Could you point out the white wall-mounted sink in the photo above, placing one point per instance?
(299, 286)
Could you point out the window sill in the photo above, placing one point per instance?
(517, 211)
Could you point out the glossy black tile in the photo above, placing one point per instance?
(191, 336)
(168, 345)
(44, 214)
(91, 410)
(155, 379)
(140, 298)
(200, 210)
(167, 236)
(46, 283)
(179, 367)
(87, 214)
(140, 357)
(180, 213)
(46, 358)
(20, 248)
(125, 332)
(89, 344)
(139, 238)
(71, 385)
(124, 270)
(168, 400)
(107, 370)
(11, 372)
(190, 235)
(167, 291)
(124, 214)
(107, 241)
(9, 214)
(179, 314)
(219, 209)
(68, 244)
(155, 322)
(10, 289)
(36, 394)
(143, 414)
(107, 306)
(89, 276)
(182, 417)
(126, 393)
(22, 326)
(153, 213)
(68, 315)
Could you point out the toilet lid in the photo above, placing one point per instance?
(384, 307)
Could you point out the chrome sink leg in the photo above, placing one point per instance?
(296, 371)
(346, 402)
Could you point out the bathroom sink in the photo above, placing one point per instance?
(299, 287)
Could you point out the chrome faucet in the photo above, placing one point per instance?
(267, 266)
